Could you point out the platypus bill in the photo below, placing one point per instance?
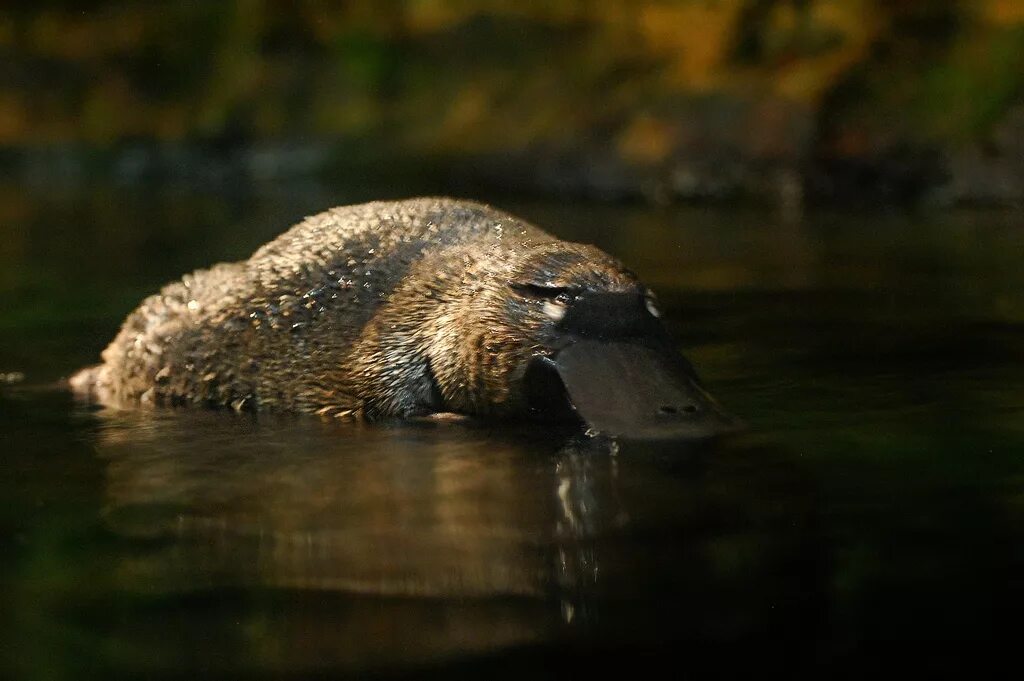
(411, 308)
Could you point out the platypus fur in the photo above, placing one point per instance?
(409, 308)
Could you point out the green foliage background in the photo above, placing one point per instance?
(681, 96)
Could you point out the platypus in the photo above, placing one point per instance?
(412, 308)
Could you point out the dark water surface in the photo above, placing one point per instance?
(873, 513)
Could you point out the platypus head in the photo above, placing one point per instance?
(568, 333)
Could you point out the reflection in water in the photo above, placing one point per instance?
(494, 536)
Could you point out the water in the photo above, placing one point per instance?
(872, 513)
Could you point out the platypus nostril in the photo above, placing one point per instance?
(691, 409)
(667, 409)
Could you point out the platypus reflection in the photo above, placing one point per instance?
(409, 308)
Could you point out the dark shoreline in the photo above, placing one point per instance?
(906, 178)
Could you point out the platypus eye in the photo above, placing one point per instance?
(559, 294)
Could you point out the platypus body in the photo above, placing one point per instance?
(409, 308)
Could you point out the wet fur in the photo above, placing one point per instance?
(381, 309)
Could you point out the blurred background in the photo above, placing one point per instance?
(784, 100)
